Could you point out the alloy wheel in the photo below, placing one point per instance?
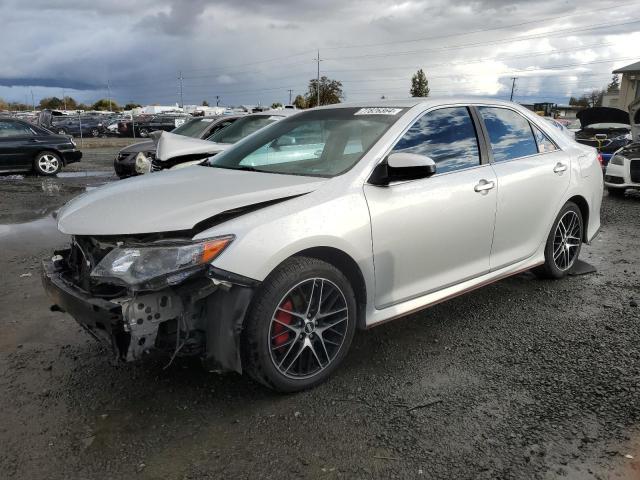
(308, 328)
(48, 163)
(566, 240)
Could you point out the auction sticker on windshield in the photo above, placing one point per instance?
(378, 111)
(178, 122)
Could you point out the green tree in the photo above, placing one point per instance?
(105, 104)
(205, 103)
(131, 106)
(614, 85)
(275, 105)
(52, 103)
(300, 102)
(330, 92)
(419, 85)
(3, 105)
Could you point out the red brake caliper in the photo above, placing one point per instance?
(286, 318)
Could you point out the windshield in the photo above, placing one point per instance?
(242, 128)
(322, 143)
(193, 128)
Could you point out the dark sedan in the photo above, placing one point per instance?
(27, 147)
(144, 125)
(201, 127)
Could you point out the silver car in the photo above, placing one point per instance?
(268, 257)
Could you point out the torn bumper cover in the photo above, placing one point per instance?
(203, 316)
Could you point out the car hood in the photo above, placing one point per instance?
(146, 146)
(589, 116)
(634, 117)
(170, 145)
(174, 200)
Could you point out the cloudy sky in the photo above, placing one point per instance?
(250, 51)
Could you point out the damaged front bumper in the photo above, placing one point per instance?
(203, 316)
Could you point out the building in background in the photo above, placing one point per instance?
(629, 86)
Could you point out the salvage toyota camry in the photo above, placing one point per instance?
(267, 258)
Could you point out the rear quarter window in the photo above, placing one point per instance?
(510, 134)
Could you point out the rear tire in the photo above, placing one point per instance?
(616, 192)
(143, 132)
(563, 243)
(300, 325)
(47, 163)
(94, 132)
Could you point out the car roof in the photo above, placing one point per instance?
(426, 101)
(281, 113)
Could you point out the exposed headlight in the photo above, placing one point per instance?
(147, 267)
(143, 164)
(622, 138)
(617, 160)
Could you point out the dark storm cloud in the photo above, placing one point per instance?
(247, 51)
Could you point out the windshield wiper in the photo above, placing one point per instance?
(246, 168)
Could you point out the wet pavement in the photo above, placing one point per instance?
(521, 379)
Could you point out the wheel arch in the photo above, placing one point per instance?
(349, 267)
(583, 205)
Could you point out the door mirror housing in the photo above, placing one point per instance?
(402, 166)
(284, 141)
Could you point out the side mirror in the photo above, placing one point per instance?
(403, 166)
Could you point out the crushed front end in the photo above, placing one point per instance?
(196, 310)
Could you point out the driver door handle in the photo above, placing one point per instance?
(484, 185)
(559, 168)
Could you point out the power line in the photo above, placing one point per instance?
(482, 30)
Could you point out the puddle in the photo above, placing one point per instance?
(86, 174)
(30, 236)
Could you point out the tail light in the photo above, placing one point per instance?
(600, 160)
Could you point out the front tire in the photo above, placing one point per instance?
(94, 132)
(300, 325)
(143, 132)
(563, 244)
(47, 164)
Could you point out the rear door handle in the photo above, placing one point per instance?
(484, 185)
(559, 168)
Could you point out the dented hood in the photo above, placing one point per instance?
(634, 117)
(174, 200)
(170, 145)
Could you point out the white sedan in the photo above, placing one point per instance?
(269, 256)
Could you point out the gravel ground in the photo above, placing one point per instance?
(521, 379)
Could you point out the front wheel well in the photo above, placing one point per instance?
(584, 211)
(348, 266)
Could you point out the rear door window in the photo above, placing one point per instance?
(545, 144)
(447, 136)
(510, 134)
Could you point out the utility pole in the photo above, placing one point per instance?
(64, 100)
(318, 80)
(217, 100)
(290, 93)
(33, 102)
(109, 94)
(513, 87)
(180, 80)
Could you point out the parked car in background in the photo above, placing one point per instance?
(26, 147)
(623, 170)
(143, 125)
(179, 152)
(605, 128)
(136, 159)
(261, 260)
(75, 125)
